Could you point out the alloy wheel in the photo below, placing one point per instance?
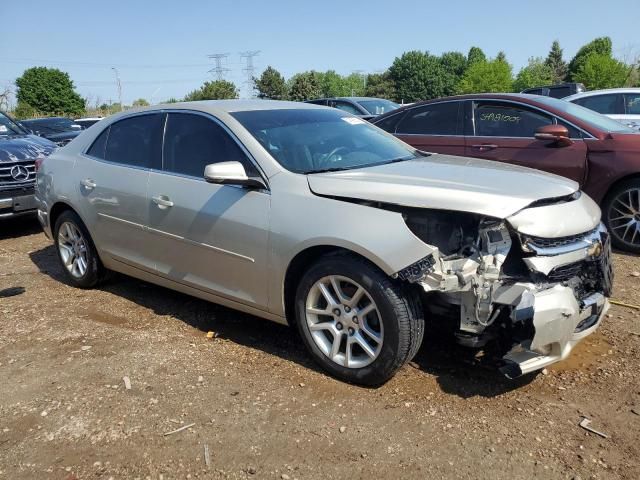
(624, 217)
(344, 321)
(72, 247)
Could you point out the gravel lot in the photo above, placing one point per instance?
(260, 406)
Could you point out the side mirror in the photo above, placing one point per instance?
(230, 173)
(556, 133)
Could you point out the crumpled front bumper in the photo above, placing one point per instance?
(560, 322)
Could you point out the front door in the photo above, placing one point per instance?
(504, 132)
(208, 236)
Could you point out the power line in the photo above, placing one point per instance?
(219, 70)
(95, 64)
(249, 69)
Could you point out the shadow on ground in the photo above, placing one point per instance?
(439, 356)
(19, 227)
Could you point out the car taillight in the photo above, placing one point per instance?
(38, 163)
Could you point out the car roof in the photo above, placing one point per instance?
(44, 119)
(602, 92)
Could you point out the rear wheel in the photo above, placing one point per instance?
(76, 251)
(621, 211)
(358, 324)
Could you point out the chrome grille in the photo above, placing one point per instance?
(559, 241)
(566, 272)
(7, 180)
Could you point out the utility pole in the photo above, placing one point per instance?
(364, 77)
(219, 70)
(250, 68)
(119, 86)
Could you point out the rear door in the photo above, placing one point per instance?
(112, 184)
(504, 131)
(435, 127)
(208, 236)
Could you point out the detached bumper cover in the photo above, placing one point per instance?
(560, 322)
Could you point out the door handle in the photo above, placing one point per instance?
(162, 201)
(484, 147)
(88, 184)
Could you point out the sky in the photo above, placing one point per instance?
(160, 48)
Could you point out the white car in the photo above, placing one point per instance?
(622, 104)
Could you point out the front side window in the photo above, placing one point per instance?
(605, 104)
(436, 119)
(494, 119)
(378, 106)
(191, 142)
(632, 103)
(135, 141)
(316, 140)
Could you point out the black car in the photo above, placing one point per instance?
(560, 90)
(60, 130)
(19, 153)
(364, 107)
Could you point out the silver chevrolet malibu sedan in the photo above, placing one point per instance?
(310, 216)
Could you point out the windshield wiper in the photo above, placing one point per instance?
(325, 170)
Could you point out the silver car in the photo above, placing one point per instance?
(310, 216)
(622, 104)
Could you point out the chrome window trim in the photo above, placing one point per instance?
(526, 105)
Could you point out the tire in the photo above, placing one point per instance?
(393, 329)
(67, 225)
(624, 223)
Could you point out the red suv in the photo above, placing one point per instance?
(599, 153)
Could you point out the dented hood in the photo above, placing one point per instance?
(446, 182)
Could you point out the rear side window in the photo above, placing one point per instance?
(99, 144)
(605, 104)
(560, 92)
(436, 119)
(389, 124)
(136, 141)
(346, 107)
(191, 142)
(496, 119)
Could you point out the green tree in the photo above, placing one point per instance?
(380, 85)
(215, 90)
(602, 71)
(271, 84)
(332, 84)
(171, 100)
(454, 65)
(492, 76)
(304, 86)
(418, 76)
(556, 63)
(601, 46)
(476, 55)
(49, 91)
(354, 85)
(501, 57)
(535, 74)
(141, 102)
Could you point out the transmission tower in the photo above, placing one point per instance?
(249, 69)
(219, 70)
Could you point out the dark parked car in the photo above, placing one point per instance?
(60, 130)
(560, 90)
(19, 153)
(365, 107)
(599, 153)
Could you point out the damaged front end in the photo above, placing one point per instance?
(534, 297)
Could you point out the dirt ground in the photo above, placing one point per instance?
(261, 408)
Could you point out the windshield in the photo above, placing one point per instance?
(594, 119)
(9, 127)
(50, 125)
(312, 141)
(378, 106)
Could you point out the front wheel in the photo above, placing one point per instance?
(621, 212)
(358, 324)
